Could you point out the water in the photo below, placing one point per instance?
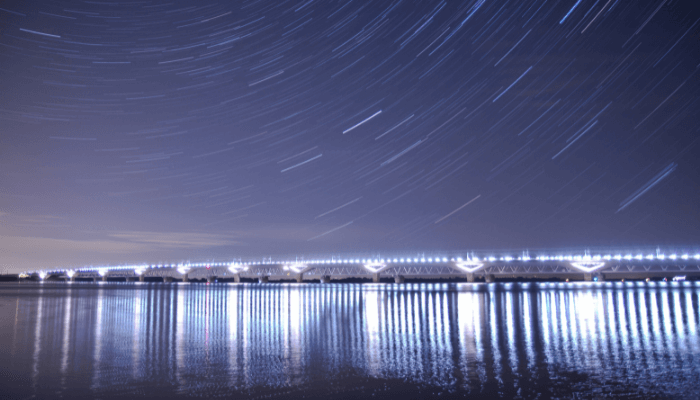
(125, 340)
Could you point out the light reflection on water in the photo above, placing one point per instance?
(527, 340)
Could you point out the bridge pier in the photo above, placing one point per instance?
(104, 278)
(211, 279)
(142, 278)
(399, 279)
(72, 279)
(590, 277)
(185, 278)
(375, 277)
(490, 278)
(470, 278)
(325, 279)
(237, 278)
(263, 279)
(167, 279)
(300, 278)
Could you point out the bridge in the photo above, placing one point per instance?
(471, 267)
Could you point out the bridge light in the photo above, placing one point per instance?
(673, 256)
(444, 259)
(492, 259)
(70, 273)
(628, 257)
(469, 266)
(661, 256)
(422, 260)
(650, 257)
(430, 260)
(402, 260)
(508, 258)
(588, 266)
(42, 275)
(618, 257)
(684, 256)
(639, 257)
(697, 256)
(459, 259)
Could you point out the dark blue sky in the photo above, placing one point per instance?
(153, 131)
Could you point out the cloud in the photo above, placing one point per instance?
(176, 240)
(21, 253)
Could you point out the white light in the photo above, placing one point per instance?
(422, 260)
(639, 257)
(42, 275)
(296, 267)
(684, 256)
(697, 256)
(70, 273)
(673, 256)
(661, 256)
(508, 258)
(650, 257)
(588, 266)
(375, 267)
(103, 271)
(402, 260)
(492, 258)
(469, 266)
(459, 259)
(139, 271)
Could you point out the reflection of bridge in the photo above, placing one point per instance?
(486, 267)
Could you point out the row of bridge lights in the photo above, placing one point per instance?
(183, 268)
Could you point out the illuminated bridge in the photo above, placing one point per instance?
(471, 267)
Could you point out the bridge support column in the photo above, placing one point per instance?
(263, 279)
(142, 278)
(237, 278)
(490, 278)
(591, 277)
(211, 279)
(375, 277)
(167, 279)
(104, 278)
(185, 278)
(470, 278)
(300, 278)
(325, 279)
(72, 279)
(399, 279)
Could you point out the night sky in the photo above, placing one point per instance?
(146, 131)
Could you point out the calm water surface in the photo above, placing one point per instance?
(124, 340)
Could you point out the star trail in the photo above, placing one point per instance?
(153, 131)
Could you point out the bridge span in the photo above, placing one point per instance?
(484, 267)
